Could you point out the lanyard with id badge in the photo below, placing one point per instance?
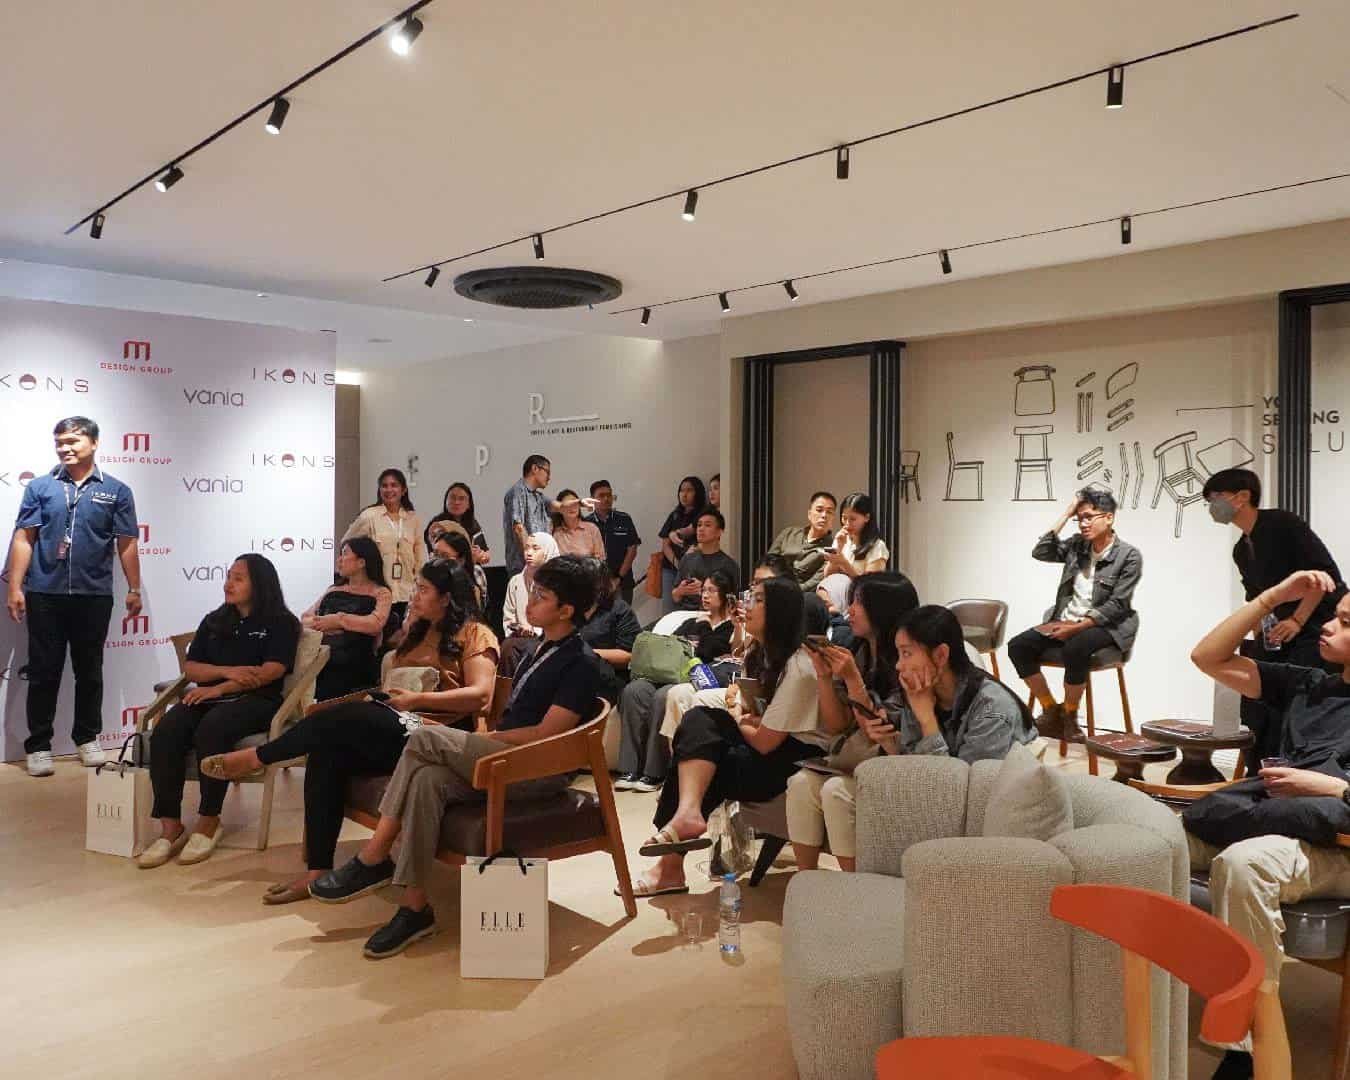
(68, 537)
(396, 572)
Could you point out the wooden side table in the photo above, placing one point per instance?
(1130, 753)
(1196, 742)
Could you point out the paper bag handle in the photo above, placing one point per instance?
(121, 761)
(508, 853)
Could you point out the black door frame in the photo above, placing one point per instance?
(883, 442)
(1293, 455)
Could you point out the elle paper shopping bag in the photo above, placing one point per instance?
(503, 931)
(118, 804)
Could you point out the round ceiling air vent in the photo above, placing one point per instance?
(537, 287)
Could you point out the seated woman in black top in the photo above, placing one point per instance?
(458, 505)
(351, 615)
(238, 658)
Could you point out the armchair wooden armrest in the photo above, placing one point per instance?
(1180, 792)
(157, 708)
(355, 695)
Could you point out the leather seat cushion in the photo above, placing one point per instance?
(981, 638)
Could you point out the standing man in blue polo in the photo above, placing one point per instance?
(620, 536)
(525, 510)
(61, 577)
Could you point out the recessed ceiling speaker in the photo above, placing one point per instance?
(537, 287)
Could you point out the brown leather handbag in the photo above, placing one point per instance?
(654, 565)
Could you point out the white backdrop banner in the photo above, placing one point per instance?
(224, 431)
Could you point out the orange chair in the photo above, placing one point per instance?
(1150, 927)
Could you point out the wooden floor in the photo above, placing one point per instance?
(110, 971)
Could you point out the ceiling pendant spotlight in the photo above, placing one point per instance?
(170, 178)
(945, 260)
(96, 227)
(722, 299)
(791, 289)
(405, 35)
(690, 204)
(538, 245)
(277, 117)
(841, 163)
(1125, 229)
(646, 315)
(1115, 87)
(431, 277)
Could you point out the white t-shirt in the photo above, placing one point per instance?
(1080, 603)
(877, 551)
(795, 707)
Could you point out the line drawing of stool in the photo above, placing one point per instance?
(1184, 474)
(1030, 461)
(954, 466)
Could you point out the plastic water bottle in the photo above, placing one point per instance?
(729, 909)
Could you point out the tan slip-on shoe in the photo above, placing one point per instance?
(161, 851)
(199, 848)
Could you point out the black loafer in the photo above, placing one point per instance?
(351, 880)
(401, 931)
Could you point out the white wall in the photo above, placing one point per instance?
(1329, 510)
(663, 399)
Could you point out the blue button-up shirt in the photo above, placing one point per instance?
(92, 515)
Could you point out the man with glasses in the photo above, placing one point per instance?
(1092, 609)
(620, 535)
(1273, 545)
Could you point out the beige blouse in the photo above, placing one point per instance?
(400, 542)
(584, 540)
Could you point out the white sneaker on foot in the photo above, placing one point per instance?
(91, 754)
(40, 763)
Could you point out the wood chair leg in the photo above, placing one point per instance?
(604, 792)
(1091, 727)
(1124, 700)
(769, 848)
(993, 664)
(265, 811)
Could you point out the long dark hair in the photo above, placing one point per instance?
(861, 503)
(886, 598)
(365, 549)
(469, 520)
(932, 625)
(397, 474)
(782, 631)
(725, 586)
(460, 546)
(700, 500)
(455, 583)
(269, 602)
(556, 516)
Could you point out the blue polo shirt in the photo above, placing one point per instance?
(93, 514)
(619, 534)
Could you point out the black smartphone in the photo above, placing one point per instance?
(377, 695)
(816, 642)
(866, 709)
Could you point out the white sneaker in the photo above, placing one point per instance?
(161, 851)
(40, 763)
(91, 754)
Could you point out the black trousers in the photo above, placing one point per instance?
(205, 729)
(741, 773)
(57, 621)
(356, 738)
(1027, 648)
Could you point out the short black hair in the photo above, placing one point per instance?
(822, 495)
(715, 514)
(1098, 499)
(778, 564)
(571, 581)
(598, 484)
(533, 461)
(1231, 481)
(79, 425)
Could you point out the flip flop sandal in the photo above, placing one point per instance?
(284, 893)
(666, 842)
(641, 889)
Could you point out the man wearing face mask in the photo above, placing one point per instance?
(1273, 545)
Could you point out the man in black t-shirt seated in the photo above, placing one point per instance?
(553, 692)
(1271, 840)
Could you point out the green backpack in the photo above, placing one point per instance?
(661, 659)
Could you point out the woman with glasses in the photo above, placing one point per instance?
(1092, 609)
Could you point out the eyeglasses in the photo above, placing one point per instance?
(1088, 519)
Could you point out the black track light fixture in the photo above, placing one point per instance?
(1126, 229)
(431, 277)
(538, 245)
(277, 116)
(790, 289)
(405, 35)
(96, 226)
(722, 299)
(168, 179)
(945, 261)
(1115, 87)
(841, 163)
(646, 315)
(690, 204)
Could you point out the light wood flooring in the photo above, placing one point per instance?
(109, 971)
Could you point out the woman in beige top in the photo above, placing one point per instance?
(858, 546)
(391, 523)
(574, 536)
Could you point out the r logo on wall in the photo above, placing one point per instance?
(579, 424)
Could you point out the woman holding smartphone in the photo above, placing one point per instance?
(746, 751)
(821, 804)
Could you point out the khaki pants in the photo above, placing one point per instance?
(820, 807)
(682, 697)
(434, 773)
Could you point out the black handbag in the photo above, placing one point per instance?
(1245, 809)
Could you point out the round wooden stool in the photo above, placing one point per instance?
(1130, 753)
(1196, 742)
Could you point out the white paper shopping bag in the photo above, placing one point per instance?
(503, 918)
(118, 805)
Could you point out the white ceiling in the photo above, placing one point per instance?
(512, 117)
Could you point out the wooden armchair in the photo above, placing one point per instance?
(310, 656)
(575, 822)
(1317, 932)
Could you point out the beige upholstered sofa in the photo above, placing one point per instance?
(945, 932)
